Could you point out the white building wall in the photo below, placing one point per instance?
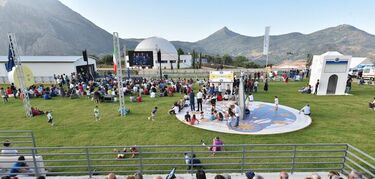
(318, 68)
(44, 70)
(185, 61)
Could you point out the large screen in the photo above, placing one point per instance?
(141, 58)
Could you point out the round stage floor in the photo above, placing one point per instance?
(262, 120)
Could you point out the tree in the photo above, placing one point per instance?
(200, 60)
(227, 59)
(240, 61)
(193, 59)
(179, 52)
(106, 59)
(309, 60)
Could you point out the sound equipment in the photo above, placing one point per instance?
(84, 54)
(159, 56)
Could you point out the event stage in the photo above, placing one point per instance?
(262, 120)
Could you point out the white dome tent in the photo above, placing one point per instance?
(168, 52)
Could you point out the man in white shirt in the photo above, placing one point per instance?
(306, 110)
(199, 100)
(237, 112)
(256, 83)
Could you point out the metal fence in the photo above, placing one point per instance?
(19, 138)
(100, 160)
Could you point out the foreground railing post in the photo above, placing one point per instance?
(88, 162)
(33, 140)
(140, 160)
(243, 160)
(33, 152)
(294, 159)
(344, 158)
(191, 160)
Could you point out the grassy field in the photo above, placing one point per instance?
(336, 119)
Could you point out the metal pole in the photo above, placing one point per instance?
(34, 143)
(19, 71)
(37, 174)
(243, 159)
(88, 162)
(293, 159)
(160, 71)
(191, 160)
(117, 56)
(140, 161)
(344, 158)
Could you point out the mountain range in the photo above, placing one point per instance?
(48, 27)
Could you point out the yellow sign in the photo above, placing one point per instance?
(221, 76)
(27, 73)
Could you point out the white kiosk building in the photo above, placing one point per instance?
(331, 69)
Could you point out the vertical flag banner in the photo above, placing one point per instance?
(114, 60)
(10, 64)
(266, 42)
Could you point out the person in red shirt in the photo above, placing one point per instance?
(219, 97)
(193, 120)
(139, 98)
(9, 91)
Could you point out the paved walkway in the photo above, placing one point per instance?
(300, 175)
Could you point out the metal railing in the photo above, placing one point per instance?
(100, 160)
(18, 138)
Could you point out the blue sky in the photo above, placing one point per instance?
(192, 20)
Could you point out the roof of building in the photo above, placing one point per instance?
(331, 53)
(156, 43)
(53, 59)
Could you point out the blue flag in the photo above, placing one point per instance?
(9, 66)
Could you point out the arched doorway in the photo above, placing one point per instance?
(332, 83)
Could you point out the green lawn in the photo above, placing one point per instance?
(336, 119)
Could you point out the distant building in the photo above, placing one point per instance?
(168, 52)
(44, 67)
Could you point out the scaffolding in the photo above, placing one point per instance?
(20, 74)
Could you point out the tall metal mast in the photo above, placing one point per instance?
(117, 56)
(20, 74)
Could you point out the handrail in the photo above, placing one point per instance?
(93, 160)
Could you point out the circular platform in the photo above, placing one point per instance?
(262, 120)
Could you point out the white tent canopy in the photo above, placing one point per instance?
(359, 60)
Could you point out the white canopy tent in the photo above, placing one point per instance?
(359, 61)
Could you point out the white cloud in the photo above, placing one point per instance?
(3, 2)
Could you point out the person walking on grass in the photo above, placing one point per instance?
(153, 113)
(50, 118)
(3, 95)
(97, 113)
